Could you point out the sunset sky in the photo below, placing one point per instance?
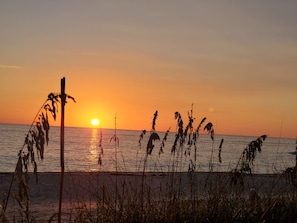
(235, 61)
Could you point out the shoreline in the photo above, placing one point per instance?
(84, 188)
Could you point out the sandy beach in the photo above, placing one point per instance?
(83, 189)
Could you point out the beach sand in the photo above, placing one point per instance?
(82, 189)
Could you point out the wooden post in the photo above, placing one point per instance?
(63, 100)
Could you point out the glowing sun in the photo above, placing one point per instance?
(95, 122)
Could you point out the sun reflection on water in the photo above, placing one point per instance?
(93, 151)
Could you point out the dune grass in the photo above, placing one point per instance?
(187, 197)
(213, 199)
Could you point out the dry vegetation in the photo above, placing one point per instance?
(238, 196)
(34, 145)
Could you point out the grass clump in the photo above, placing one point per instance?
(216, 207)
(186, 197)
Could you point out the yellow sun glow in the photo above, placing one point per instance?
(95, 122)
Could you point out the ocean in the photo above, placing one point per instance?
(82, 151)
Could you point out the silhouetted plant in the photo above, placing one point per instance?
(141, 137)
(149, 148)
(35, 140)
(186, 138)
(192, 164)
(154, 120)
(246, 160)
(37, 136)
(220, 150)
(179, 134)
(209, 129)
(189, 133)
(189, 139)
(196, 134)
(199, 126)
(153, 136)
(189, 128)
(163, 142)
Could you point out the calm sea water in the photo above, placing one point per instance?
(82, 151)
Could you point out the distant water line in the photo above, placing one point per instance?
(82, 151)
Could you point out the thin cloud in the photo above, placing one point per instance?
(74, 53)
(9, 67)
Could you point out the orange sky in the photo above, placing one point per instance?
(234, 61)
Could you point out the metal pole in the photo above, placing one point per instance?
(63, 99)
